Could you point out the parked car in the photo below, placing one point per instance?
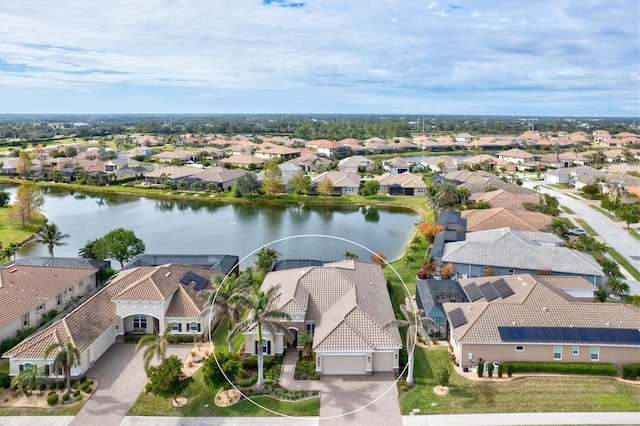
(577, 231)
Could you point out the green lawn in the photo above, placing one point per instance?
(201, 404)
(15, 233)
(567, 210)
(530, 394)
(635, 234)
(67, 410)
(624, 263)
(586, 227)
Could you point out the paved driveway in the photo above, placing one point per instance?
(122, 378)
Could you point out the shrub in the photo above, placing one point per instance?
(250, 363)
(509, 370)
(5, 380)
(602, 369)
(87, 389)
(480, 368)
(60, 385)
(631, 371)
(83, 379)
(76, 392)
(52, 398)
(248, 382)
(65, 397)
(53, 386)
(42, 387)
(443, 375)
(500, 368)
(490, 369)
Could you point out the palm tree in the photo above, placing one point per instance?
(266, 258)
(447, 195)
(417, 324)
(51, 236)
(349, 255)
(156, 346)
(307, 340)
(25, 380)
(225, 307)
(617, 286)
(262, 314)
(67, 356)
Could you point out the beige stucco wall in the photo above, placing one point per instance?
(532, 352)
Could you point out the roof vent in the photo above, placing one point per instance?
(545, 309)
(470, 308)
(513, 323)
(167, 274)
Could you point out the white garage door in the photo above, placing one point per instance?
(344, 364)
(383, 361)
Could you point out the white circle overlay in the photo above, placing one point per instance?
(293, 237)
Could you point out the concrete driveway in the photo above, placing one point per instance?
(369, 400)
(121, 376)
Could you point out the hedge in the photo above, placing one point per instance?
(5, 380)
(603, 369)
(631, 371)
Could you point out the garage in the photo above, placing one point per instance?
(382, 361)
(344, 364)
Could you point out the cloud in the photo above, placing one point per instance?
(393, 55)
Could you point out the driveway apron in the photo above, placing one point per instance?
(121, 378)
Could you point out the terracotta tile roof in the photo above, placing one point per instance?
(347, 300)
(502, 198)
(542, 307)
(23, 287)
(500, 217)
(183, 306)
(405, 180)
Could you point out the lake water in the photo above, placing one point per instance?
(197, 227)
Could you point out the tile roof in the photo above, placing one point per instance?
(500, 217)
(502, 198)
(23, 287)
(405, 180)
(515, 249)
(542, 307)
(347, 300)
(339, 179)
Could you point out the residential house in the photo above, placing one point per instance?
(401, 184)
(516, 155)
(488, 162)
(431, 294)
(524, 318)
(399, 165)
(245, 161)
(31, 287)
(180, 156)
(346, 306)
(343, 183)
(221, 177)
(311, 162)
(502, 198)
(506, 252)
(571, 174)
(331, 149)
(501, 217)
(141, 300)
(600, 136)
(277, 151)
(440, 164)
(355, 164)
(8, 165)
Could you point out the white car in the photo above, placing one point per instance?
(577, 231)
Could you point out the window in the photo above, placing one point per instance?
(176, 326)
(595, 353)
(193, 326)
(81, 284)
(25, 320)
(511, 272)
(311, 327)
(59, 300)
(140, 321)
(47, 370)
(575, 350)
(40, 308)
(519, 348)
(557, 352)
(25, 366)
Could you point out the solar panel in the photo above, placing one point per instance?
(570, 335)
(488, 292)
(457, 317)
(190, 276)
(473, 292)
(503, 288)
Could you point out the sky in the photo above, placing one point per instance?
(572, 58)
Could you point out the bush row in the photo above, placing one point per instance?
(603, 369)
(631, 371)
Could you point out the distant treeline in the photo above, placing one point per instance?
(333, 127)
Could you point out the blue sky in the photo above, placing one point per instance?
(481, 57)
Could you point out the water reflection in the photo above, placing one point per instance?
(370, 214)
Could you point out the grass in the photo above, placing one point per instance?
(586, 227)
(201, 404)
(567, 210)
(528, 394)
(15, 233)
(602, 211)
(635, 234)
(624, 263)
(63, 410)
(572, 195)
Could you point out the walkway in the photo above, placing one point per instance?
(368, 399)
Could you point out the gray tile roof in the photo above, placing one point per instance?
(513, 249)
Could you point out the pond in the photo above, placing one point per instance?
(200, 227)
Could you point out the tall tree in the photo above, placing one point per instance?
(266, 258)
(262, 315)
(629, 214)
(119, 244)
(5, 197)
(370, 188)
(272, 181)
(325, 187)
(299, 183)
(87, 251)
(246, 184)
(417, 325)
(23, 166)
(155, 346)
(164, 379)
(50, 236)
(66, 356)
(447, 195)
(28, 200)
(225, 308)
(348, 255)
